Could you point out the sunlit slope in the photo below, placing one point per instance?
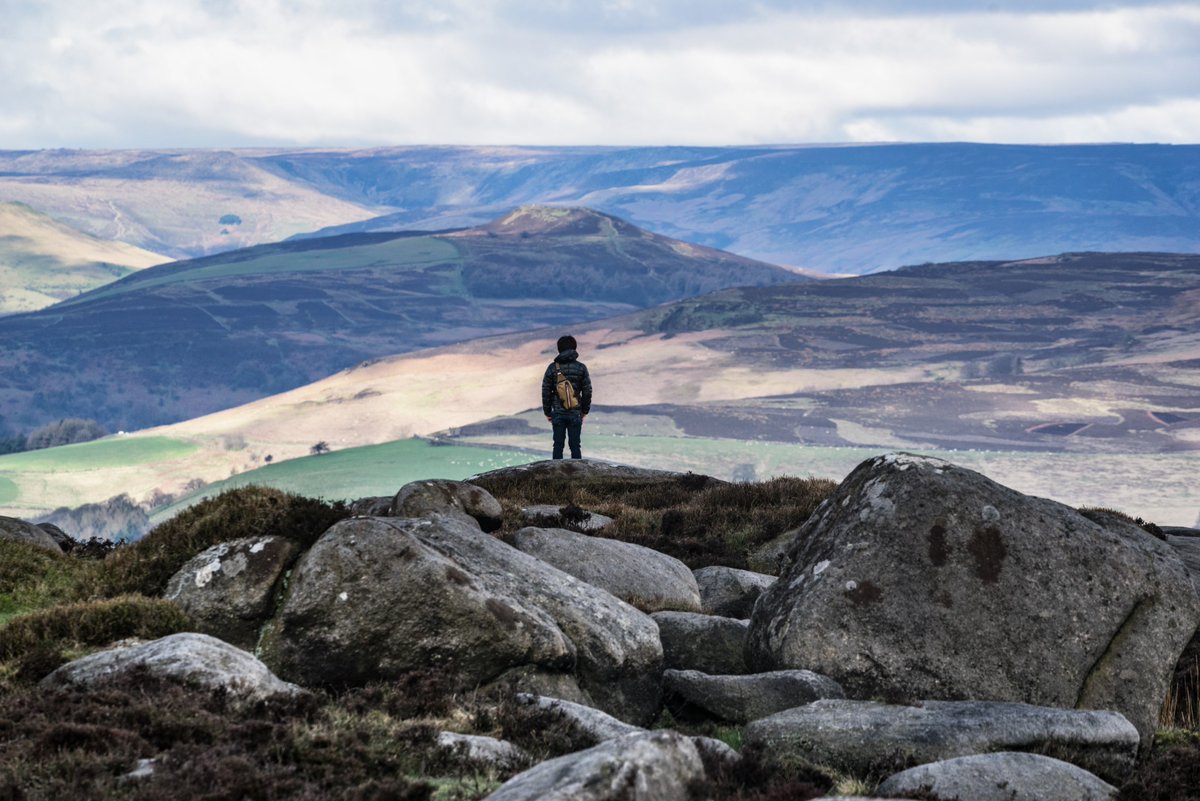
(180, 202)
(43, 261)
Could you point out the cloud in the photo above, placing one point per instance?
(131, 73)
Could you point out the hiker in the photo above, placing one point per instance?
(566, 396)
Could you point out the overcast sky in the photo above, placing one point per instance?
(223, 73)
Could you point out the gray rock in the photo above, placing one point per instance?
(1001, 777)
(1188, 549)
(19, 531)
(196, 659)
(550, 516)
(230, 588)
(375, 506)
(769, 557)
(592, 723)
(442, 496)
(589, 470)
(650, 766)
(919, 579)
(374, 599)
(144, 769)
(728, 591)
(642, 577)
(61, 538)
(861, 737)
(378, 597)
(483, 752)
(740, 699)
(692, 641)
(534, 681)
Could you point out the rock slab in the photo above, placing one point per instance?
(728, 591)
(188, 657)
(709, 644)
(741, 699)
(17, 530)
(920, 579)
(642, 577)
(650, 766)
(443, 496)
(862, 737)
(1001, 777)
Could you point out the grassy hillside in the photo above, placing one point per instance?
(43, 261)
(192, 337)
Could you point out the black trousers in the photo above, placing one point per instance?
(567, 426)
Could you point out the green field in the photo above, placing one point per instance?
(8, 491)
(371, 470)
(102, 453)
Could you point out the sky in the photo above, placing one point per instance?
(229, 73)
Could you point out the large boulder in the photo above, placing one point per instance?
(378, 597)
(230, 588)
(62, 539)
(862, 737)
(16, 530)
(741, 699)
(640, 576)
(1003, 776)
(728, 591)
(196, 659)
(709, 644)
(547, 515)
(446, 497)
(919, 579)
(479, 753)
(588, 470)
(650, 766)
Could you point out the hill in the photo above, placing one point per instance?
(182, 203)
(192, 337)
(839, 209)
(43, 261)
(1080, 367)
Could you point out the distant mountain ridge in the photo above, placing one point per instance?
(193, 337)
(841, 209)
(43, 261)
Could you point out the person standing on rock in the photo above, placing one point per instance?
(566, 396)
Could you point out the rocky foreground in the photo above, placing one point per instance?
(929, 631)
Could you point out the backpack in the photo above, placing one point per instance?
(565, 390)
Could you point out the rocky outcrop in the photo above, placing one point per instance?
(1000, 777)
(589, 470)
(691, 694)
(728, 591)
(196, 659)
(650, 766)
(919, 579)
(17, 530)
(377, 597)
(445, 497)
(865, 736)
(230, 588)
(692, 641)
(61, 538)
(642, 577)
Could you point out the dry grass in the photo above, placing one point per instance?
(694, 518)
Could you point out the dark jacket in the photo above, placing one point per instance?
(577, 373)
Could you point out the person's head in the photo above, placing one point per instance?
(567, 343)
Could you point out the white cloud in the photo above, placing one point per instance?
(230, 72)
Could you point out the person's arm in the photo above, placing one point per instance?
(585, 397)
(548, 391)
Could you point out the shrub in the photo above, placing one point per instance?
(1171, 773)
(91, 623)
(79, 744)
(68, 431)
(147, 565)
(33, 577)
